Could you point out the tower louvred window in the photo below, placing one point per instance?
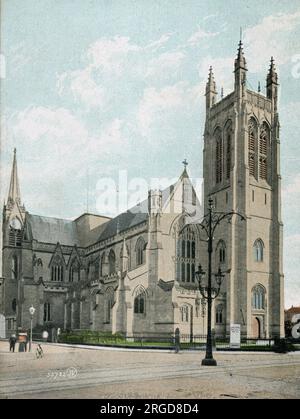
(252, 147)
(263, 151)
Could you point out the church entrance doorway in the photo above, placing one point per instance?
(256, 328)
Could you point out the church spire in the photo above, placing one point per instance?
(14, 195)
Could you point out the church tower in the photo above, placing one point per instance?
(242, 173)
(13, 231)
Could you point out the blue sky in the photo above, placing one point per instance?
(94, 87)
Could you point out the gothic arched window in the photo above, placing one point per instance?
(14, 268)
(258, 297)
(139, 304)
(264, 139)
(258, 251)
(102, 265)
(74, 273)
(47, 312)
(252, 147)
(221, 252)
(184, 312)
(112, 262)
(186, 255)
(57, 270)
(140, 251)
(97, 268)
(219, 314)
(219, 155)
(14, 305)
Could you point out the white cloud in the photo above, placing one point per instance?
(158, 102)
(165, 64)
(198, 36)
(270, 37)
(155, 45)
(83, 87)
(106, 60)
(110, 137)
(48, 126)
(109, 55)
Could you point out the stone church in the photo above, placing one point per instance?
(135, 273)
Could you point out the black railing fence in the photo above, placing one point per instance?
(169, 341)
(164, 341)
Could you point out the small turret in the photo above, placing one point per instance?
(154, 202)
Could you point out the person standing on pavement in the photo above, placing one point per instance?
(12, 343)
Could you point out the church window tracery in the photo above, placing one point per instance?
(186, 255)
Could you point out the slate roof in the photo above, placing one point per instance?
(53, 230)
(132, 217)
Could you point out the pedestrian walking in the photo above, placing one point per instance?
(177, 340)
(12, 343)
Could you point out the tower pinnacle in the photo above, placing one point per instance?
(240, 69)
(272, 84)
(272, 75)
(240, 61)
(211, 92)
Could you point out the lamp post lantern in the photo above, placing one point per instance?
(209, 292)
(31, 312)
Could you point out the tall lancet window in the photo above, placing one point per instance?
(264, 140)
(57, 269)
(252, 147)
(258, 297)
(219, 156)
(74, 272)
(112, 262)
(186, 255)
(14, 268)
(228, 138)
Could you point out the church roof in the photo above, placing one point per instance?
(134, 216)
(53, 230)
(65, 232)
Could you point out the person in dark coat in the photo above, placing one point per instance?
(12, 343)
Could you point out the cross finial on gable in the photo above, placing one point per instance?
(185, 163)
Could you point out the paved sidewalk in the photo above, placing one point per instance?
(73, 372)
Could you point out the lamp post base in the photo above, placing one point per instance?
(209, 362)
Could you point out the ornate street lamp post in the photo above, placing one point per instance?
(31, 312)
(203, 312)
(209, 292)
